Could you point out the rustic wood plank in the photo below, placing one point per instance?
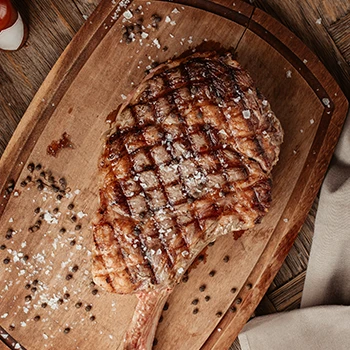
(23, 72)
(86, 7)
(310, 21)
(340, 32)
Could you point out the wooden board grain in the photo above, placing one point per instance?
(91, 79)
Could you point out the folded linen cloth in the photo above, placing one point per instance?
(315, 327)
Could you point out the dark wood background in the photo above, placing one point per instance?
(324, 26)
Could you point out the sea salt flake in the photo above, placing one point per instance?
(167, 19)
(285, 220)
(264, 103)
(50, 219)
(11, 220)
(23, 324)
(144, 35)
(156, 43)
(175, 10)
(288, 73)
(246, 114)
(45, 336)
(128, 14)
(4, 315)
(5, 336)
(81, 214)
(312, 121)
(304, 60)
(17, 346)
(318, 21)
(173, 23)
(326, 102)
(180, 270)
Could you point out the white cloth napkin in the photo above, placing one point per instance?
(323, 322)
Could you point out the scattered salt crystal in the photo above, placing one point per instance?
(81, 214)
(175, 10)
(25, 310)
(76, 191)
(128, 14)
(264, 102)
(5, 336)
(111, 336)
(159, 252)
(49, 218)
(180, 270)
(173, 23)
(219, 329)
(4, 315)
(17, 346)
(11, 220)
(23, 244)
(237, 99)
(288, 74)
(285, 220)
(79, 246)
(312, 121)
(16, 194)
(246, 114)
(23, 324)
(144, 35)
(318, 21)
(223, 132)
(156, 43)
(85, 17)
(123, 96)
(301, 131)
(326, 102)
(304, 60)
(167, 19)
(21, 272)
(45, 336)
(184, 253)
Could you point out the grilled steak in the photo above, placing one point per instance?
(188, 159)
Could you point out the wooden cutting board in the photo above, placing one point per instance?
(47, 298)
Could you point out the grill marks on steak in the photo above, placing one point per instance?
(189, 159)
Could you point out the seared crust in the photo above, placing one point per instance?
(189, 159)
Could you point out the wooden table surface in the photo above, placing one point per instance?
(323, 26)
